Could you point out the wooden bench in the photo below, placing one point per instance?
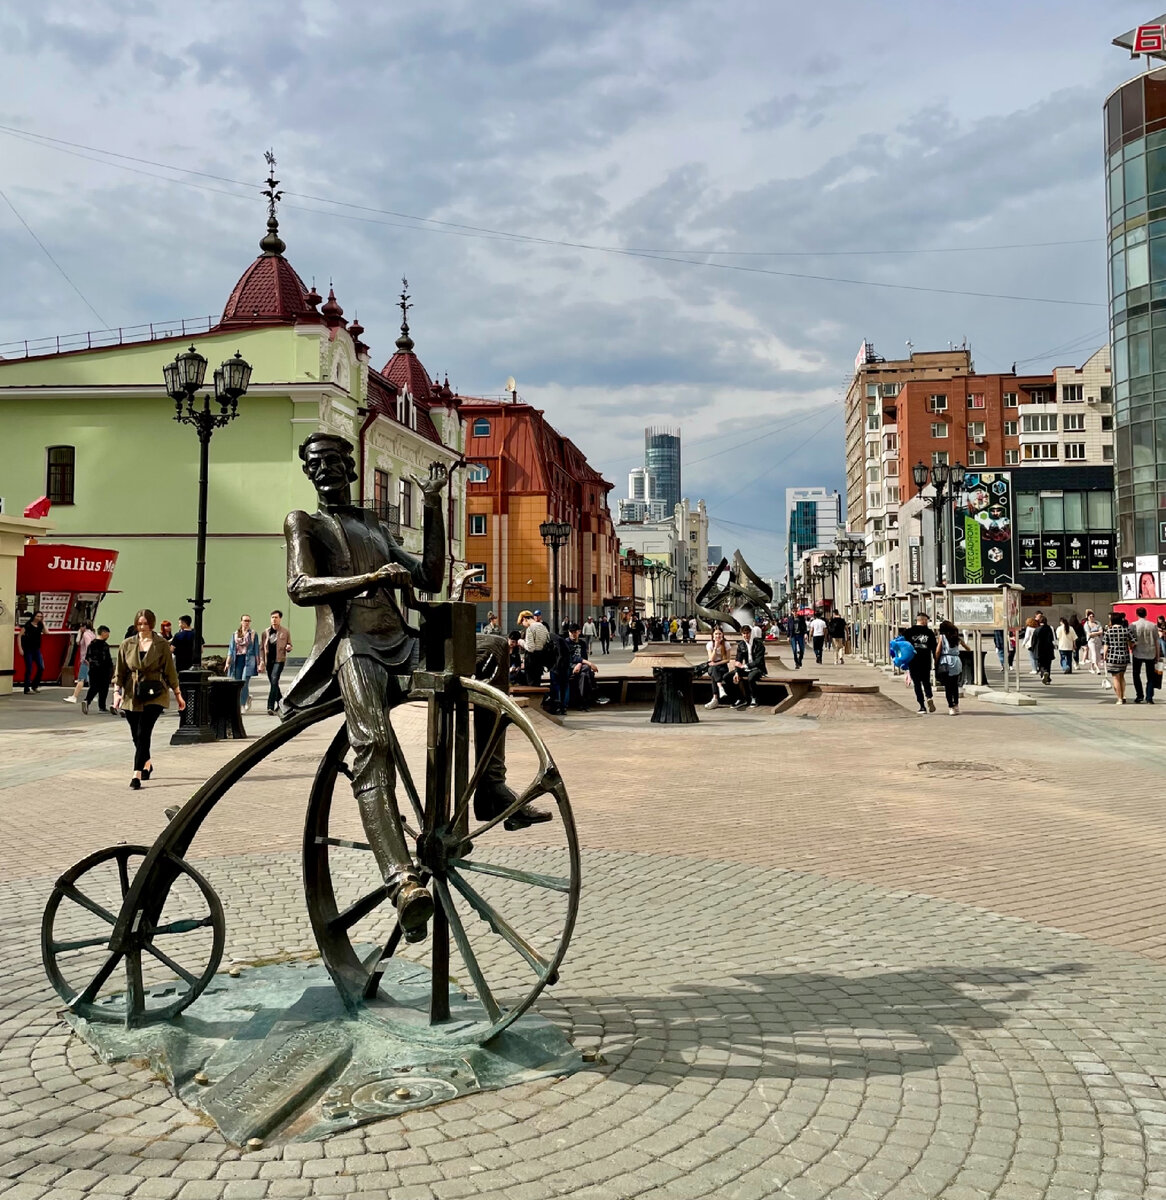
(782, 689)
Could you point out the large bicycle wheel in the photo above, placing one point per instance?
(505, 900)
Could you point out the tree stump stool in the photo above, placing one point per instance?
(673, 674)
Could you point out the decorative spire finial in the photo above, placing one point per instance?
(405, 342)
(272, 243)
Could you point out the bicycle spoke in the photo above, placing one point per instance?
(80, 944)
(348, 917)
(493, 1011)
(407, 779)
(167, 961)
(184, 926)
(94, 986)
(556, 883)
(536, 789)
(123, 872)
(499, 924)
(79, 897)
(484, 755)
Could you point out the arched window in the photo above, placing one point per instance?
(481, 427)
(478, 473)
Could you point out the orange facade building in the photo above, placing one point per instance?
(521, 472)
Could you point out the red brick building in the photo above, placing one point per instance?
(972, 419)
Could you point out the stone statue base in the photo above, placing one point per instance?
(272, 1056)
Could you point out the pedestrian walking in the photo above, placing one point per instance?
(637, 629)
(31, 635)
(1043, 648)
(949, 666)
(797, 638)
(818, 636)
(1118, 643)
(166, 632)
(243, 658)
(276, 646)
(84, 636)
(99, 660)
(605, 634)
(1093, 643)
(1029, 632)
(183, 645)
(625, 629)
(590, 631)
(1066, 645)
(923, 641)
(837, 632)
(718, 665)
(1146, 655)
(145, 675)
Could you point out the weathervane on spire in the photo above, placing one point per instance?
(404, 342)
(272, 243)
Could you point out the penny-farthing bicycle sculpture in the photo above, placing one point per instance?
(133, 934)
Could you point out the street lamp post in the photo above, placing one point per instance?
(941, 476)
(555, 534)
(184, 376)
(831, 565)
(852, 547)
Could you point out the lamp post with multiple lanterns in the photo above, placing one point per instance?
(852, 548)
(184, 376)
(555, 534)
(941, 477)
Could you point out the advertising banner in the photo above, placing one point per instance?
(983, 529)
(1052, 551)
(1102, 552)
(1029, 547)
(914, 564)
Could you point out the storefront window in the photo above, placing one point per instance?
(1052, 514)
(1027, 513)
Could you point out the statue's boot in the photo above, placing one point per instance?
(413, 902)
(493, 795)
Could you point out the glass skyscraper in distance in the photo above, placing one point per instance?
(1135, 159)
(662, 462)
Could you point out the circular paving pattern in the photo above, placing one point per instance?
(762, 1033)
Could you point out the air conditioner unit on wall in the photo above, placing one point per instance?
(978, 439)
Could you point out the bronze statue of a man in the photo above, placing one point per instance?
(343, 561)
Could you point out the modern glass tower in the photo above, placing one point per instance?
(1135, 149)
(662, 459)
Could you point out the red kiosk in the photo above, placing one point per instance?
(66, 584)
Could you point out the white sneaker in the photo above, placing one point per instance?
(713, 703)
(69, 699)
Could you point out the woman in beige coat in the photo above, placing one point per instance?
(143, 678)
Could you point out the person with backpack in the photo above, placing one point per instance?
(924, 643)
(949, 666)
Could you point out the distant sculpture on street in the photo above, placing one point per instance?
(742, 599)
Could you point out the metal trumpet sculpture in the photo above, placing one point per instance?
(741, 598)
(415, 881)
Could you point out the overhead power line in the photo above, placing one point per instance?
(104, 323)
(432, 224)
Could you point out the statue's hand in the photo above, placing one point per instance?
(432, 487)
(390, 573)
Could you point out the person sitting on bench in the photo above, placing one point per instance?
(581, 685)
(749, 665)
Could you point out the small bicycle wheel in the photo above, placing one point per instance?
(505, 900)
(167, 955)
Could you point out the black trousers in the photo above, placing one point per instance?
(1147, 665)
(921, 678)
(605, 642)
(274, 671)
(746, 680)
(534, 667)
(951, 689)
(818, 643)
(98, 688)
(719, 674)
(141, 729)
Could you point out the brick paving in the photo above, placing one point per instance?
(822, 956)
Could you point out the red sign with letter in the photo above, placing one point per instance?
(55, 567)
(1150, 39)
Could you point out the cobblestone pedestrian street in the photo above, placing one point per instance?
(820, 956)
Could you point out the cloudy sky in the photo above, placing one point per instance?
(670, 212)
